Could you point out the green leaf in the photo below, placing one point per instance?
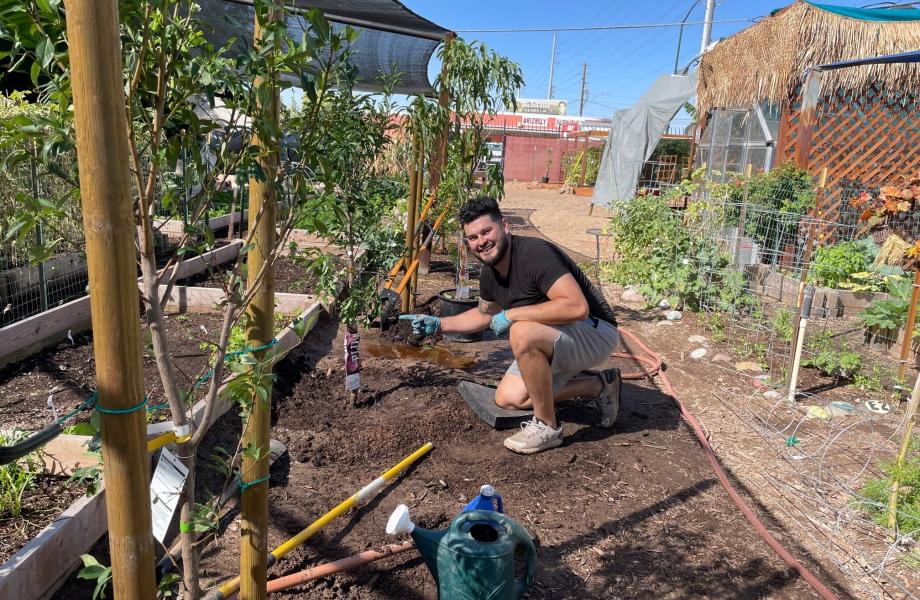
(45, 52)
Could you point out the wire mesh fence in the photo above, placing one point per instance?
(761, 245)
(42, 264)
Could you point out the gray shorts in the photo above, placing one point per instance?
(581, 345)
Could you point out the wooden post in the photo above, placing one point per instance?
(108, 224)
(414, 185)
(902, 453)
(909, 328)
(804, 138)
(439, 152)
(803, 279)
(416, 247)
(259, 332)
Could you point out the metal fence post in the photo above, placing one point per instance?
(39, 232)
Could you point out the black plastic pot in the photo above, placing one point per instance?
(451, 307)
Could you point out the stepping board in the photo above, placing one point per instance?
(482, 400)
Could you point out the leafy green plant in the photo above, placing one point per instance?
(94, 571)
(885, 314)
(782, 324)
(869, 383)
(875, 493)
(831, 359)
(16, 478)
(835, 265)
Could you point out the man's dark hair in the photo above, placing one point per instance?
(478, 207)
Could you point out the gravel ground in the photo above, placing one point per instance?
(562, 218)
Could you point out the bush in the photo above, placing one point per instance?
(834, 265)
(656, 251)
(876, 492)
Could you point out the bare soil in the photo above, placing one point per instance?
(67, 374)
(289, 277)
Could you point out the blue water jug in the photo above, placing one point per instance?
(486, 500)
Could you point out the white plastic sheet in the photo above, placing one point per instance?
(635, 132)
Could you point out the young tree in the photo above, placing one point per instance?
(172, 71)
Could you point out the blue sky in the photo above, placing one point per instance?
(621, 63)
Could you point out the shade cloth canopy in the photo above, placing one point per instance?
(391, 38)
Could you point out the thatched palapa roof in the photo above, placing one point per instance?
(767, 61)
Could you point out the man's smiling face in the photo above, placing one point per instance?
(487, 239)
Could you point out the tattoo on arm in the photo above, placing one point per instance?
(488, 308)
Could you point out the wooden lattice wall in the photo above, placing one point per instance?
(865, 141)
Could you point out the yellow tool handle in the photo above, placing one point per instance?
(361, 495)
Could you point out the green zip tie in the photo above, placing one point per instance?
(246, 486)
(791, 441)
(184, 527)
(122, 411)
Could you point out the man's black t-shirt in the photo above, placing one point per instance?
(535, 266)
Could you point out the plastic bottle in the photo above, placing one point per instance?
(486, 500)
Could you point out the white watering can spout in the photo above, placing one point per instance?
(399, 522)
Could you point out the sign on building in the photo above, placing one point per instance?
(540, 106)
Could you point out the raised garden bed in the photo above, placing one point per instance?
(50, 327)
(39, 568)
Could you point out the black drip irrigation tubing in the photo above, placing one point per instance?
(16, 451)
(653, 367)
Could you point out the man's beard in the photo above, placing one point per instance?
(501, 247)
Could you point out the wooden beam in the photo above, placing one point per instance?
(108, 225)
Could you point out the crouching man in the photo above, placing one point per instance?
(558, 321)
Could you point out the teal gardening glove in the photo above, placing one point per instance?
(423, 324)
(500, 324)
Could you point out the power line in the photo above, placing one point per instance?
(605, 27)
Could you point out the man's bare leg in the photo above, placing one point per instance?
(512, 392)
(532, 345)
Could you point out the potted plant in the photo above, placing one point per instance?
(549, 163)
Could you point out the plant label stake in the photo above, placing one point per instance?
(352, 360)
(463, 291)
(165, 490)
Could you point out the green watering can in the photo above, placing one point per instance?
(473, 559)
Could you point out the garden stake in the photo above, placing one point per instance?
(803, 278)
(422, 253)
(800, 339)
(909, 329)
(414, 184)
(902, 453)
(109, 229)
(262, 212)
(439, 153)
(356, 499)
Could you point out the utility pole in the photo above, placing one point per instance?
(552, 66)
(584, 89)
(108, 225)
(707, 25)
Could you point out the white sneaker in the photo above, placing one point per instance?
(534, 436)
(608, 402)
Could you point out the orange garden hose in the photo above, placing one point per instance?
(653, 364)
(343, 564)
